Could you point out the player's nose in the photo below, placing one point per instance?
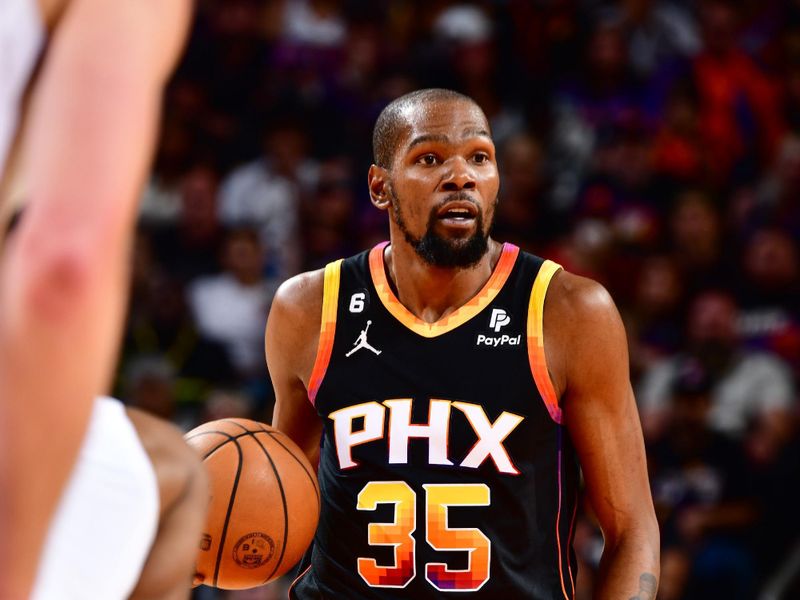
(458, 176)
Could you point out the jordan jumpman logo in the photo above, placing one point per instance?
(362, 342)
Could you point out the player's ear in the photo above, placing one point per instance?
(378, 181)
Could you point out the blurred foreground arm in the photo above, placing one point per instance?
(183, 495)
(63, 277)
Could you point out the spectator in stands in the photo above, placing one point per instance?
(702, 490)
(604, 96)
(777, 192)
(659, 33)
(266, 193)
(747, 387)
(739, 105)
(328, 222)
(464, 36)
(679, 156)
(189, 246)
(231, 308)
(150, 386)
(161, 198)
(314, 23)
(520, 217)
(160, 325)
(696, 241)
(769, 292)
(653, 320)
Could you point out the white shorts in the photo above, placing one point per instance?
(108, 516)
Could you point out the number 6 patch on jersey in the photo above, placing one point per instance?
(359, 301)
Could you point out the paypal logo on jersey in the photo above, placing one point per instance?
(498, 319)
(500, 340)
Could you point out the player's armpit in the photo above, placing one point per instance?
(291, 341)
(586, 340)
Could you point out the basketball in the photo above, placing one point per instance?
(264, 503)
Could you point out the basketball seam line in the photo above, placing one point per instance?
(231, 501)
(285, 508)
(271, 434)
(225, 433)
(283, 496)
(298, 461)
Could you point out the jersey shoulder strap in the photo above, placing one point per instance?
(327, 331)
(535, 335)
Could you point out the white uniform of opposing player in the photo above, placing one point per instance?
(108, 515)
(21, 36)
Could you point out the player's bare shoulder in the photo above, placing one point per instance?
(581, 323)
(294, 322)
(576, 297)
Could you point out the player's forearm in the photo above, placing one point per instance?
(630, 567)
(168, 572)
(183, 497)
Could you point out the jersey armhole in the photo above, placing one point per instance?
(536, 355)
(291, 595)
(327, 331)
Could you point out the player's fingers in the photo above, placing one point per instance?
(198, 579)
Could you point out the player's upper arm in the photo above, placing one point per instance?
(291, 343)
(153, 30)
(588, 355)
(93, 116)
(87, 147)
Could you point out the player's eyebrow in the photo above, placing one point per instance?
(475, 132)
(441, 138)
(428, 137)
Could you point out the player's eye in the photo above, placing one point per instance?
(427, 159)
(480, 158)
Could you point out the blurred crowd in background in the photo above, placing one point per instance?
(651, 145)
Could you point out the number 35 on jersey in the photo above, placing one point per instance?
(438, 497)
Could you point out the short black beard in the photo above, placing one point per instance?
(442, 252)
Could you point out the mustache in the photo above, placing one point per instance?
(455, 197)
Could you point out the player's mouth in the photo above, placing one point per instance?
(460, 214)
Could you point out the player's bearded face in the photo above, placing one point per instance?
(438, 250)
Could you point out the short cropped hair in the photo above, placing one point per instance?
(390, 122)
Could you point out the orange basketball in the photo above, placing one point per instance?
(264, 503)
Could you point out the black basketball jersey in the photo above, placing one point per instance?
(444, 469)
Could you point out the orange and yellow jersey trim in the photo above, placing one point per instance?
(536, 355)
(481, 300)
(327, 330)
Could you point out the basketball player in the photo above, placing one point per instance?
(88, 140)
(450, 461)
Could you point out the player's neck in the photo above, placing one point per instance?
(432, 293)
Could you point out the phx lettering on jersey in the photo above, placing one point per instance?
(489, 435)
